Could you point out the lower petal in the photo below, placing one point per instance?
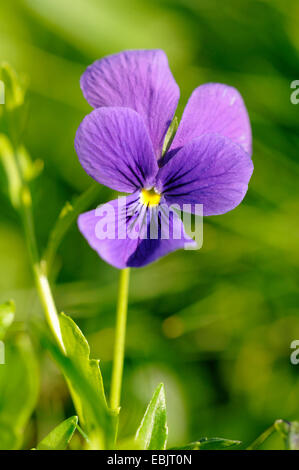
(169, 236)
(126, 233)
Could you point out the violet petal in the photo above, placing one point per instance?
(218, 108)
(125, 223)
(115, 149)
(211, 170)
(137, 79)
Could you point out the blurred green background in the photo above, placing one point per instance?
(214, 325)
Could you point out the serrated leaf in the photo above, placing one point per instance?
(78, 351)
(152, 432)
(7, 314)
(289, 432)
(213, 443)
(99, 420)
(59, 438)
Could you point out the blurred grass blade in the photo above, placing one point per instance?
(129, 443)
(30, 169)
(13, 113)
(289, 432)
(19, 385)
(67, 217)
(7, 314)
(7, 158)
(59, 438)
(15, 163)
(213, 443)
(15, 88)
(152, 432)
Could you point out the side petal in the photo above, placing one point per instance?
(216, 108)
(140, 80)
(105, 230)
(114, 148)
(211, 170)
(120, 232)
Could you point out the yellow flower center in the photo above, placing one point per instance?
(149, 197)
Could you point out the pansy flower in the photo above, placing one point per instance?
(120, 143)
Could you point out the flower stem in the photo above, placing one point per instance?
(120, 336)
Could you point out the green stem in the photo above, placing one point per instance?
(47, 301)
(40, 278)
(67, 217)
(21, 199)
(120, 336)
(261, 439)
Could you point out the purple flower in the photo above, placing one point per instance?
(119, 144)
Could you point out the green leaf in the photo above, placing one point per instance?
(19, 385)
(77, 349)
(289, 432)
(213, 443)
(85, 380)
(100, 422)
(59, 438)
(152, 432)
(7, 314)
(170, 134)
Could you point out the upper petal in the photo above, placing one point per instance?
(211, 170)
(140, 80)
(114, 148)
(218, 108)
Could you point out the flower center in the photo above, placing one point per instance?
(149, 197)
